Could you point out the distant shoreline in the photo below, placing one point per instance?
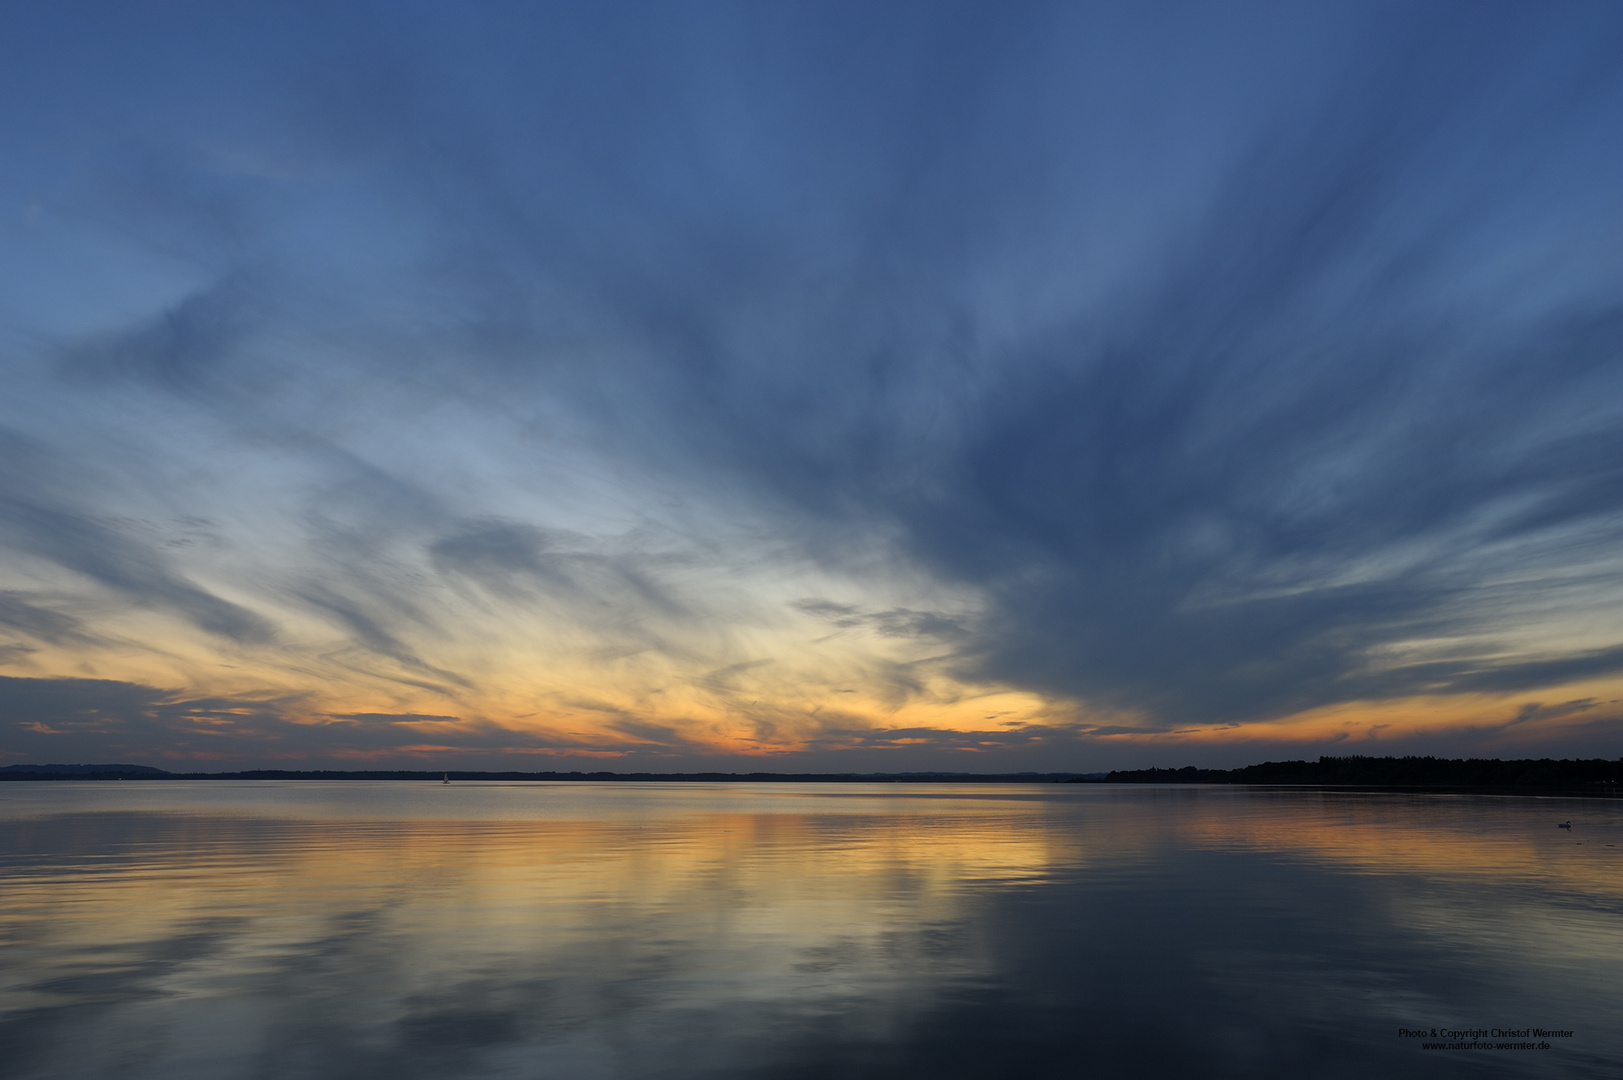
(1592, 777)
(142, 772)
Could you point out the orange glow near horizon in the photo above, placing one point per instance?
(783, 689)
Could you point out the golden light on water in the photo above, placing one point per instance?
(625, 928)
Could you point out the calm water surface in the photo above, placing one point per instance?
(265, 930)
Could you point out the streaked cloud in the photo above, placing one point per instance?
(907, 380)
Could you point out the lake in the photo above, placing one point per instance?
(309, 929)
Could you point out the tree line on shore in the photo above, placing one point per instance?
(1593, 775)
(1361, 771)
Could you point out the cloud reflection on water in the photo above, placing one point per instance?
(630, 930)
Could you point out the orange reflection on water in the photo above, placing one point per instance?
(781, 893)
(1495, 839)
(221, 929)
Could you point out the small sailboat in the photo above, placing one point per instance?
(447, 779)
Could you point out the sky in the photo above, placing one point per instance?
(773, 386)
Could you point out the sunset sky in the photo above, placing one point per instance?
(869, 386)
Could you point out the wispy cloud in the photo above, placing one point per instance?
(773, 372)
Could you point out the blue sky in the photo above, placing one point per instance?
(810, 386)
